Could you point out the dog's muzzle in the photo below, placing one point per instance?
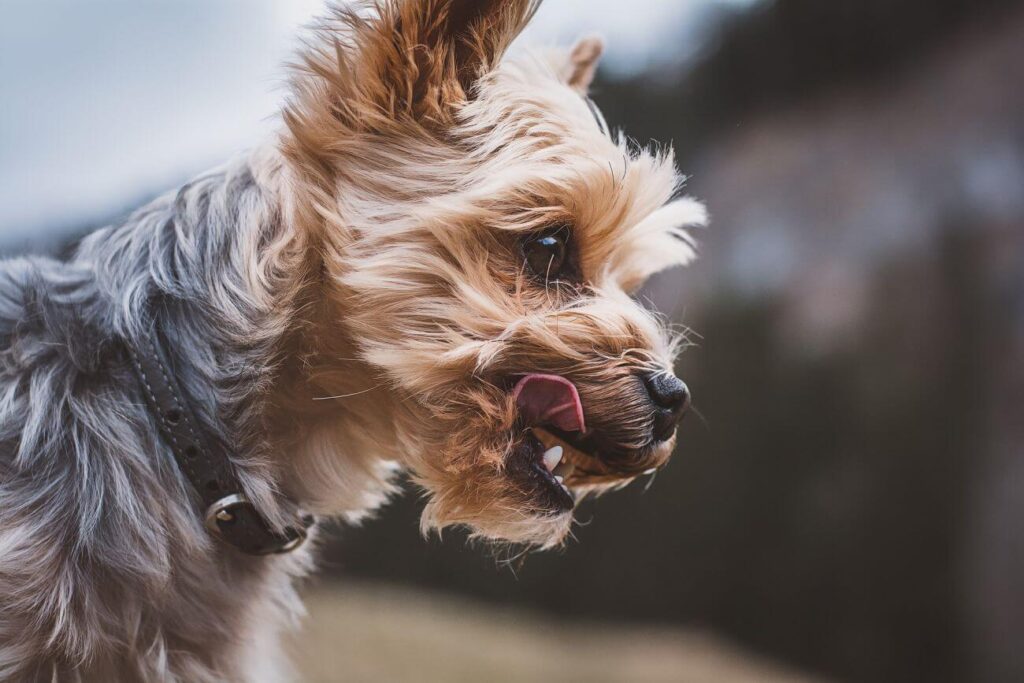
(564, 447)
(671, 399)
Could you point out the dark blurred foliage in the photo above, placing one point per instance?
(810, 517)
(816, 510)
(782, 51)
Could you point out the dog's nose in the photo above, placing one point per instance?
(671, 398)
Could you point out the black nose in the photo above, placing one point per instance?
(671, 397)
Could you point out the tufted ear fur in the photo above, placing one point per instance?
(387, 69)
(581, 65)
(392, 62)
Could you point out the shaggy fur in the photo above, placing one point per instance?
(344, 303)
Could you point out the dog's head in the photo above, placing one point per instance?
(482, 232)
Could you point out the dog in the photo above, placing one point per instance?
(428, 270)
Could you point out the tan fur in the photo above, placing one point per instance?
(348, 302)
(581, 67)
(417, 158)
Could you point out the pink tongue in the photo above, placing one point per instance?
(549, 399)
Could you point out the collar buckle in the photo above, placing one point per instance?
(227, 519)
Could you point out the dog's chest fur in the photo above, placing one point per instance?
(381, 256)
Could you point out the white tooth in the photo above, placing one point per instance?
(651, 471)
(564, 469)
(559, 478)
(552, 457)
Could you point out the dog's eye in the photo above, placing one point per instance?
(546, 254)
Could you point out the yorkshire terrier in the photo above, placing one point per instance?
(427, 271)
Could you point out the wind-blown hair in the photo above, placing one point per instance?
(106, 572)
(343, 303)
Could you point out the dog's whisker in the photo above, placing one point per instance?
(353, 394)
(700, 416)
(468, 261)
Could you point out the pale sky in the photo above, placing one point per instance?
(108, 101)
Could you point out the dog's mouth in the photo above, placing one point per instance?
(556, 448)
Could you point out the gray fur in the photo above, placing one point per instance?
(324, 266)
(106, 573)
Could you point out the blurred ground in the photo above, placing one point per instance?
(851, 500)
(366, 632)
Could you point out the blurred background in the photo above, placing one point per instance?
(850, 506)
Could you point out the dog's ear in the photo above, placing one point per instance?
(479, 32)
(581, 64)
(406, 61)
(431, 53)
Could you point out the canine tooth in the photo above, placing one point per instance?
(552, 457)
(564, 468)
(559, 478)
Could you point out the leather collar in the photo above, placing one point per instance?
(227, 512)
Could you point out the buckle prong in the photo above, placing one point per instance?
(228, 509)
(220, 511)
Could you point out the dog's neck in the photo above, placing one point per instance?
(261, 353)
(330, 414)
